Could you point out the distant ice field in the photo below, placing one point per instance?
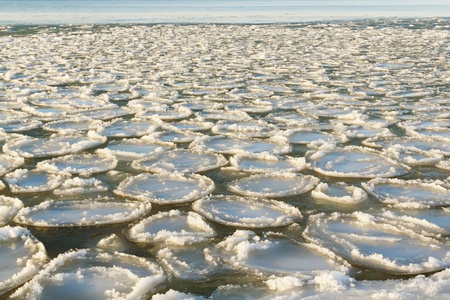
(221, 161)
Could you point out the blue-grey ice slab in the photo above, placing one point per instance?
(274, 185)
(171, 227)
(89, 274)
(377, 243)
(166, 188)
(275, 255)
(307, 136)
(356, 162)
(55, 145)
(88, 212)
(180, 160)
(246, 212)
(21, 257)
(83, 163)
(409, 193)
(227, 145)
(190, 125)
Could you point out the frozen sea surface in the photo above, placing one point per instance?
(133, 158)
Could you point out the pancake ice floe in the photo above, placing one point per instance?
(90, 274)
(25, 181)
(21, 257)
(374, 242)
(55, 145)
(75, 213)
(274, 185)
(355, 162)
(266, 163)
(409, 193)
(83, 164)
(339, 193)
(180, 160)
(171, 227)
(246, 212)
(166, 188)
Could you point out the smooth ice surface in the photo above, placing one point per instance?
(373, 242)
(21, 257)
(79, 164)
(54, 145)
(180, 160)
(131, 149)
(88, 212)
(354, 162)
(246, 212)
(340, 193)
(226, 145)
(24, 181)
(172, 227)
(263, 163)
(274, 185)
(194, 263)
(166, 188)
(409, 193)
(9, 163)
(90, 274)
(274, 255)
(122, 128)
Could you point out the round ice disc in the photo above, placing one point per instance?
(246, 212)
(172, 227)
(90, 212)
(426, 145)
(274, 255)
(193, 263)
(131, 149)
(72, 125)
(106, 113)
(24, 181)
(227, 145)
(263, 163)
(274, 185)
(180, 160)
(190, 125)
(374, 242)
(340, 193)
(79, 164)
(87, 274)
(55, 145)
(408, 193)
(125, 128)
(166, 188)
(21, 257)
(8, 208)
(354, 162)
(176, 136)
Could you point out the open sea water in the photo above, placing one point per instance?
(224, 149)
